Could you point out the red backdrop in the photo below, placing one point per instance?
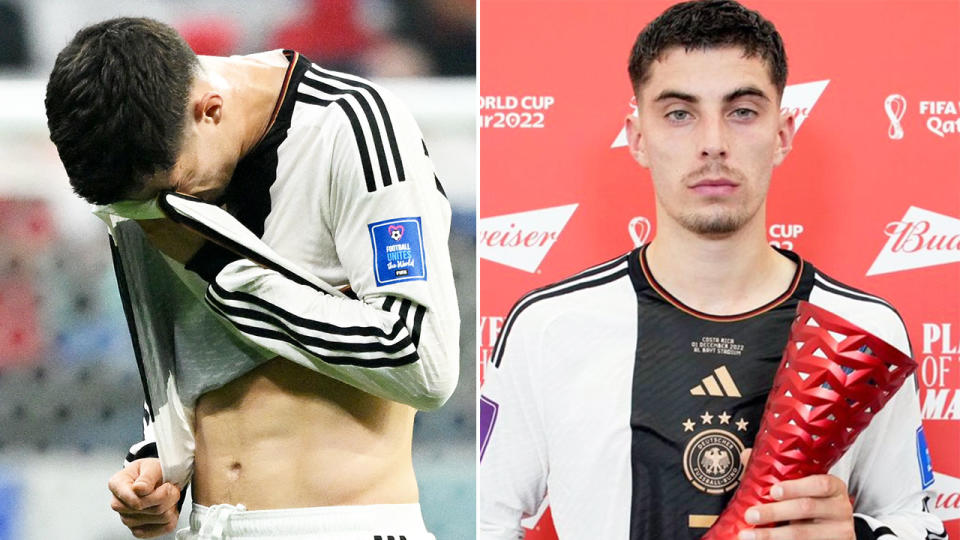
(870, 193)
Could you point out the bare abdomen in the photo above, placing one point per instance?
(283, 436)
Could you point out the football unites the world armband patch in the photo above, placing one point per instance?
(923, 455)
(398, 250)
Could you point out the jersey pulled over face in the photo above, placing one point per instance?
(629, 411)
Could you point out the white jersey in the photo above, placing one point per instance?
(333, 255)
(601, 388)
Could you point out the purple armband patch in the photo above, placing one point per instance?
(398, 250)
(488, 417)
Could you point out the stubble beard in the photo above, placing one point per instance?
(714, 222)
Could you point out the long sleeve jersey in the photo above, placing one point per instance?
(331, 252)
(629, 410)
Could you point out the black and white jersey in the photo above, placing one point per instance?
(340, 192)
(629, 410)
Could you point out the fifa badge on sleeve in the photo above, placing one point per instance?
(398, 250)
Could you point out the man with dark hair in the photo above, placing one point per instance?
(95, 102)
(279, 236)
(629, 392)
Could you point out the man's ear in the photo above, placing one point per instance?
(785, 135)
(635, 139)
(208, 108)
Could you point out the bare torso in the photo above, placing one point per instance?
(283, 436)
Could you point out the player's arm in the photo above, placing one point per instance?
(399, 338)
(512, 474)
(146, 504)
(892, 475)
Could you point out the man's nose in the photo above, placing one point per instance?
(713, 137)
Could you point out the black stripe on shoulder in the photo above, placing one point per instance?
(827, 280)
(575, 283)
(348, 111)
(313, 100)
(435, 178)
(362, 100)
(592, 271)
(439, 186)
(378, 99)
(853, 296)
(850, 292)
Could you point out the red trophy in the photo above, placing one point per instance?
(832, 379)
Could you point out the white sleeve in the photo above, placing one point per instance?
(512, 475)
(399, 338)
(891, 475)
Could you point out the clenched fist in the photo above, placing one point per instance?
(147, 505)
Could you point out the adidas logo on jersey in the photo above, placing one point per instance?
(718, 383)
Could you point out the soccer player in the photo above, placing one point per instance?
(285, 348)
(628, 393)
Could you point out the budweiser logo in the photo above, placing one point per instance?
(798, 99)
(921, 238)
(523, 239)
(947, 504)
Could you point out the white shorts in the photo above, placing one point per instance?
(370, 522)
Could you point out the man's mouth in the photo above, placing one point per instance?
(715, 186)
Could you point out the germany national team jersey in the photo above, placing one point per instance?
(340, 191)
(630, 410)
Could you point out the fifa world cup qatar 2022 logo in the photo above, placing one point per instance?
(895, 106)
(941, 116)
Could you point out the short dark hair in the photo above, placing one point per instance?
(117, 105)
(704, 24)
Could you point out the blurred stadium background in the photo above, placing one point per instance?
(70, 396)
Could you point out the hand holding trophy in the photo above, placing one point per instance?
(833, 377)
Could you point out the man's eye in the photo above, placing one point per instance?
(744, 113)
(678, 115)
